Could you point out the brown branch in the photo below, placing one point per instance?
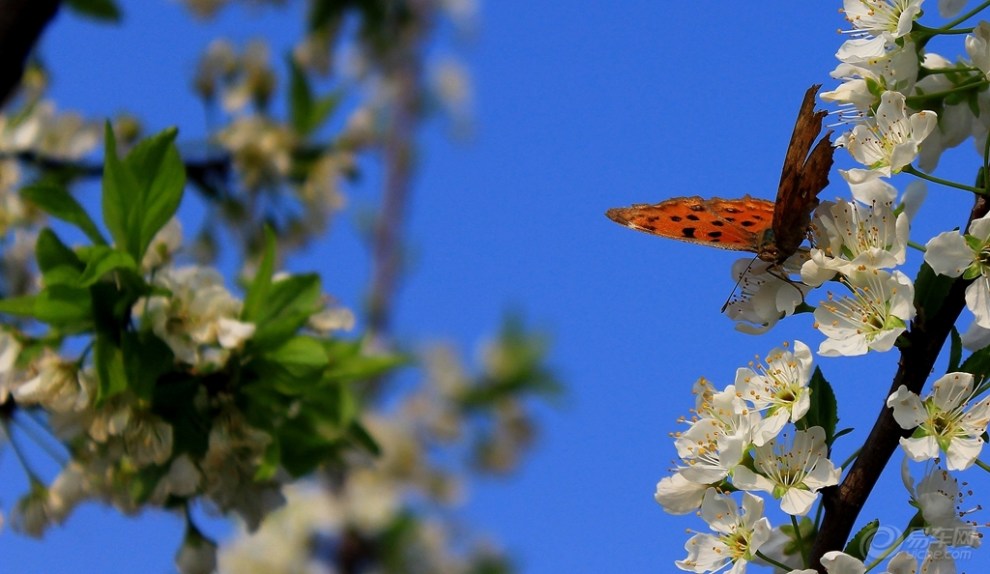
(21, 24)
(398, 151)
(925, 340)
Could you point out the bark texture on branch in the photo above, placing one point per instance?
(21, 24)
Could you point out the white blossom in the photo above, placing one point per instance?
(198, 320)
(937, 497)
(952, 254)
(778, 389)
(891, 140)
(944, 421)
(739, 534)
(794, 475)
(871, 317)
(852, 237)
(767, 294)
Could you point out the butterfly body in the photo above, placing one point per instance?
(772, 230)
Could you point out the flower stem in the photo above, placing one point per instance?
(851, 458)
(910, 169)
(32, 476)
(948, 26)
(917, 246)
(773, 562)
(982, 465)
(797, 538)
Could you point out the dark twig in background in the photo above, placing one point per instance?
(21, 24)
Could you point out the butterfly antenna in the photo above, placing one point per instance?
(738, 282)
(788, 280)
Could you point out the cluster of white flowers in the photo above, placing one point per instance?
(887, 80)
(738, 440)
(39, 128)
(890, 85)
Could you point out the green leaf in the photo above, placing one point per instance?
(54, 200)
(930, 290)
(324, 108)
(824, 409)
(300, 360)
(287, 307)
(977, 364)
(300, 98)
(955, 350)
(65, 306)
(142, 192)
(146, 358)
(103, 261)
(362, 368)
(59, 265)
(20, 306)
(96, 9)
(859, 546)
(362, 437)
(257, 293)
(120, 190)
(109, 361)
(159, 169)
(269, 462)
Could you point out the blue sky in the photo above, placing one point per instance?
(580, 107)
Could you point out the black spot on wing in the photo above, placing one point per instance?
(688, 232)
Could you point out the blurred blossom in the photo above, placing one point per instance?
(218, 64)
(41, 130)
(204, 8)
(262, 150)
(254, 81)
(163, 245)
(198, 320)
(57, 385)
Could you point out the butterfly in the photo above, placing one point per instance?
(772, 229)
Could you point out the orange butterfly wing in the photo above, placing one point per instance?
(738, 224)
(772, 230)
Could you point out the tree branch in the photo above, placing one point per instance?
(21, 24)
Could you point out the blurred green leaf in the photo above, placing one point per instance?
(120, 191)
(300, 98)
(19, 306)
(293, 368)
(106, 10)
(109, 362)
(162, 175)
(54, 200)
(58, 264)
(348, 363)
(146, 359)
(103, 260)
(257, 294)
(142, 192)
(69, 308)
(288, 305)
